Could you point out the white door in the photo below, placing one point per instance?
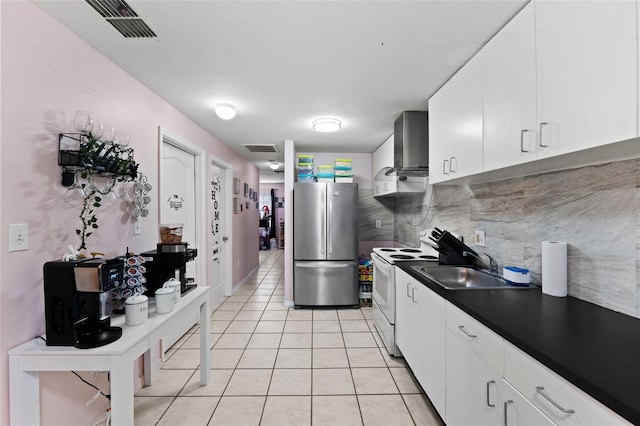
(217, 227)
(178, 198)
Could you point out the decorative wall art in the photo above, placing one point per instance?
(251, 193)
(246, 190)
(236, 185)
(247, 205)
(237, 206)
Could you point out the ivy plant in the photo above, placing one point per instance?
(110, 160)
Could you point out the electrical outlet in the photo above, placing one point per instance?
(378, 223)
(137, 228)
(18, 236)
(480, 238)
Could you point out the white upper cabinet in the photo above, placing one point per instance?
(587, 76)
(466, 119)
(455, 125)
(383, 156)
(439, 134)
(510, 93)
(561, 77)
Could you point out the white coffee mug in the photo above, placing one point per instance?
(175, 285)
(164, 300)
(136, 309)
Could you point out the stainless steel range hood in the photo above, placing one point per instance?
(410, 157)
(411, 144)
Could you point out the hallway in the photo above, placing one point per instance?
(272, 365)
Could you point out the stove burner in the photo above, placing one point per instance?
(388, 249)
(410, 250)
(428, 257)
(402, 256)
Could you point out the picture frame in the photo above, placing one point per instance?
(248, 205)
(237, 207)
(236, 185)
(246, 190)
(251, 192)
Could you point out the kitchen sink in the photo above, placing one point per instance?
(464, 278)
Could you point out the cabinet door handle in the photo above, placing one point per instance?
(408, 286)
(540, 390)
(461, 327)
(542, 124)
(522, 132)
(451, 168)
(413, 295)
(489, 383)
(444, 167)
(506, 404)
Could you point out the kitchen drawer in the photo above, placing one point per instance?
(519, 411)
(527, 375)
(484, 342)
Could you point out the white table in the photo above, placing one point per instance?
(28, 359)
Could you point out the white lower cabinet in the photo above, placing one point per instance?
(516, 410)
(558, 399)
(474, 377)
(474, 388)
(420, 335)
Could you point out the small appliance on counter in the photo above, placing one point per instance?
(77, 296)
(168, 260)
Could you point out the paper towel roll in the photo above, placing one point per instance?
(554, 268)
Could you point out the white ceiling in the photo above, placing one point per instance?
(285, 63)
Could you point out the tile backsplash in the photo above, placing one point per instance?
(595, 209)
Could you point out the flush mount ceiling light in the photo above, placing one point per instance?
(225, 111)
(327, 125)
(274, 165)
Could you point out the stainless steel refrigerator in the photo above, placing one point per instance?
(325, 251)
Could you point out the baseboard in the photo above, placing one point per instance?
(289, 303)
(242, 281)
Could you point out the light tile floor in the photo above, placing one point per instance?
(272, 365)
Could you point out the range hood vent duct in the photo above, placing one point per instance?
(411, 144)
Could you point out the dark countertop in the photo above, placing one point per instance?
(594, 348)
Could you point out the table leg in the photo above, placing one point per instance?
(149, 370)
(205, 356)
(24, 394)
(122, 391)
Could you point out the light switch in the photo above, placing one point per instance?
(137, 228)
(18, 236)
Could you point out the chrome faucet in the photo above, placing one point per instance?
(493, 265)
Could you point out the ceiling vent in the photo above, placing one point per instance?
(123, 18)
(261, 148)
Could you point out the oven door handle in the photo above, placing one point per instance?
(382, 264)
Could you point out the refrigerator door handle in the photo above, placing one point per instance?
(323, 264)
(329, 219)
(323, 223)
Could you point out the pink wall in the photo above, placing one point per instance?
(47, 74)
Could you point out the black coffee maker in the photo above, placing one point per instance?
(168, 260)
(77, 302)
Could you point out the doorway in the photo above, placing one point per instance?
(221, 276)
(182, 195)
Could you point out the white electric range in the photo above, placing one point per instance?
(384, 284)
